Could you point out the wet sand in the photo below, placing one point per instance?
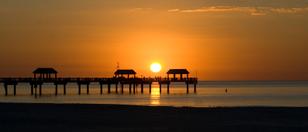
(118, 118)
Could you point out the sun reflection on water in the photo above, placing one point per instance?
(155, 95)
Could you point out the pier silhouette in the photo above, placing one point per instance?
(121, 78)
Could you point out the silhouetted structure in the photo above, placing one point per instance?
(45, 73)
(122, 72)
(122, 77)
(180, 72)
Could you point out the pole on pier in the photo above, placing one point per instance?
(101, 88)
(88, 91)
(141, 87)
(5, 89)
(64, 89)
(56, 92)
(40, 90)
(109, 91)
(14, 89)
(79, 89)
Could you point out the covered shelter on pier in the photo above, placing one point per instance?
(125, 72)
(180, 72)
(45, 73)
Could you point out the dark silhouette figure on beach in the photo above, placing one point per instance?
(226, 90)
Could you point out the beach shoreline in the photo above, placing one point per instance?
(98, 117)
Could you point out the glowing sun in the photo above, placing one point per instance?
(155, 67)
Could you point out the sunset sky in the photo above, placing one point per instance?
(213, 39)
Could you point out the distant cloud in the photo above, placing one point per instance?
(254, 11)
(140, 9)
(289, 10)
(174, 10)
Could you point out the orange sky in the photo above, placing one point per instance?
(214, 39)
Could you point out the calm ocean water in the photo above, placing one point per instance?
(209, 94)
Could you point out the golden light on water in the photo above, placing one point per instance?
(155, 95)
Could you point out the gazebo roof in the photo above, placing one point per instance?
(45, 71)
(178, 71)
(124, 71)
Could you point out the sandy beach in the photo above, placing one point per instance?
(93, 118)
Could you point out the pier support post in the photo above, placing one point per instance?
(168, 85)
(160, 88)
(122, 88)
(5, 89)
(15, 89)
(109, 91)
(134, 88)
(150, 88)
(116, 85)
(56, 92)
(35, 90)
(79, 89)
(130, 88)
(187, 88)
(141, 87)
(88, 91)
(195, 88)
(31, 89)
(101, 88)
(40, 90)
(64, 89)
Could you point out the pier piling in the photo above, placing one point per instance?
(187, 87)
(88, 91)
(150, 88)
(134, 88)
(168, 85)
(40, 90)
(142, 88)
(122, 88)
(5, 90)
(64, 89)
(159, 87)
(35, 91)
(109, 88)
(101, 88)
(116, 86)
(195, 88)
(31, 89)
(56, 90)
(14, 92)
(79, 89)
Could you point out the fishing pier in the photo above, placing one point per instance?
(121, 78)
